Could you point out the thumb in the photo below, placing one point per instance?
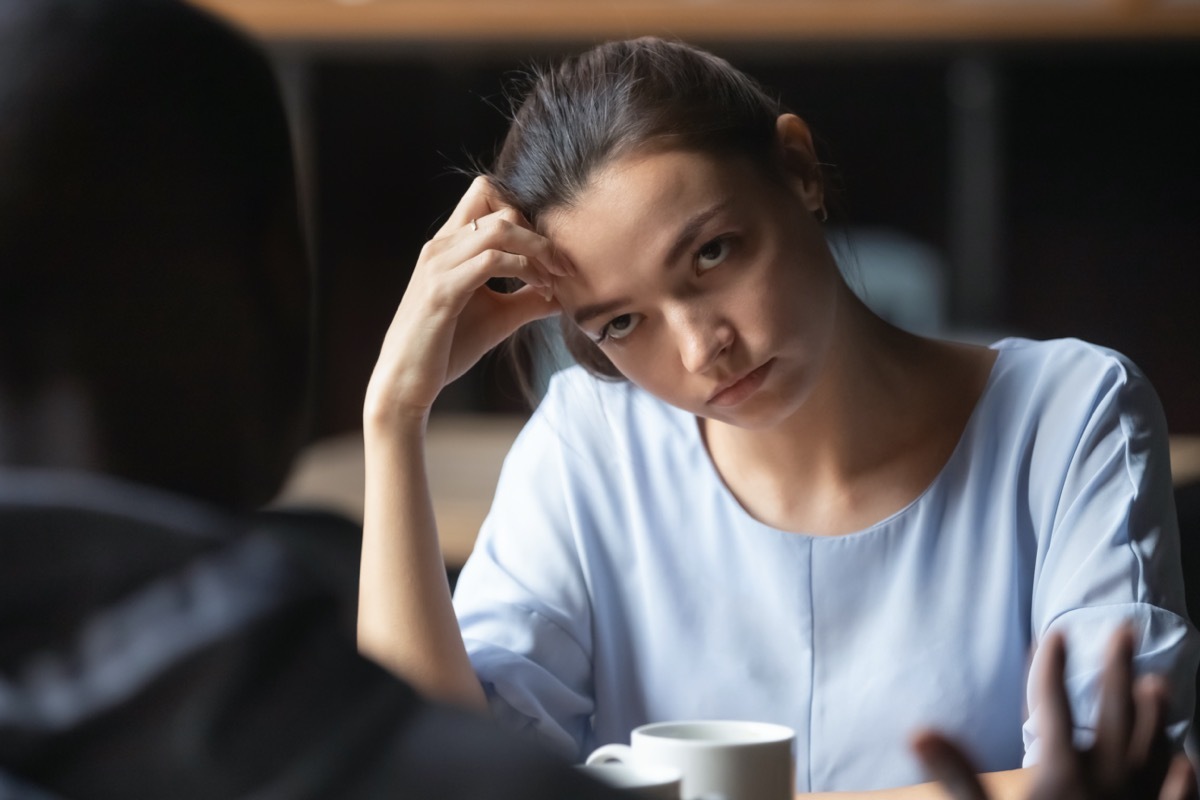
(1180, 783)
(948, 765)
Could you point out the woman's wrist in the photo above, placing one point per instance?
(393, 422)
(387, 415)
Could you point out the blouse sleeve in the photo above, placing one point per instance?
(1109, 548)
(521, 599)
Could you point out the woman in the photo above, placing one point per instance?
(754, 499)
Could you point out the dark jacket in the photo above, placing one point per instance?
(151, 646)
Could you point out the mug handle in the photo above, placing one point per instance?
(611, 753)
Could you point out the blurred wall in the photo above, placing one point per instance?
(1095, 147)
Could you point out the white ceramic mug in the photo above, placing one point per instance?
(641, 781)
(718, 758)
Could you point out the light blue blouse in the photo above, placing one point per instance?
(617, 581)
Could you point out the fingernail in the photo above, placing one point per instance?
(548, 293)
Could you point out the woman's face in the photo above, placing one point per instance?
(704, 282)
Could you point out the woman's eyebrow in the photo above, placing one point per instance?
(691, 229)
(591, 312)
(683, 242)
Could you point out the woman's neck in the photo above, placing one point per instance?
(880, 423)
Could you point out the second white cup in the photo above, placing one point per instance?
(730, 759)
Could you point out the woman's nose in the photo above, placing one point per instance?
(702, 338)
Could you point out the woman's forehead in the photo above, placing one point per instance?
(634, 219)
(639, 199)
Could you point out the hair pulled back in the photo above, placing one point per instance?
(639, 95)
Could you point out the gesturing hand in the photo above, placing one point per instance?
(449, 318)
(1131, 758)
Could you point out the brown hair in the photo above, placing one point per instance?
(605, 103)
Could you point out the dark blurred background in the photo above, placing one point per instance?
(1050, 169)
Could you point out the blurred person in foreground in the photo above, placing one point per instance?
(160, 636)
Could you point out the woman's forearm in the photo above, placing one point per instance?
(406, 621)
(447, 320)
(1013, 784)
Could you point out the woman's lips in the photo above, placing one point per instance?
(742, 388)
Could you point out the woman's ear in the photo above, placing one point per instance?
(800, 162)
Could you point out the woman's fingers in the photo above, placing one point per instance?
(1180, 783)
(948, 765)
(489, 264)
(499, 246)
(1132, 756)
(479, 200)
(1114, 726)
(506, 231)
(1056, 726)
(460, 264)
(449, 317)
(481, 211)
(1150, 700)
(1150, 749)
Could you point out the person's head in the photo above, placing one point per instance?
(632, 148)
(153, 288)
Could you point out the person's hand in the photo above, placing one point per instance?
(449, 318)
(1131, 758)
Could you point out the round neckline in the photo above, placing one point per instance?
(696, 442)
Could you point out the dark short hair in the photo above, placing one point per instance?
(150, 247)
(618, 98)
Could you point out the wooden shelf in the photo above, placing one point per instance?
(382, 21)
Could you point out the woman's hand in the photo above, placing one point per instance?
(449, 318)
(1131, 758)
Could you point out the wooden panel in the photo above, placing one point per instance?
(464, 455)
(351, 21)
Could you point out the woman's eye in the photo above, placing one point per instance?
(620, 327)
(712, 254)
